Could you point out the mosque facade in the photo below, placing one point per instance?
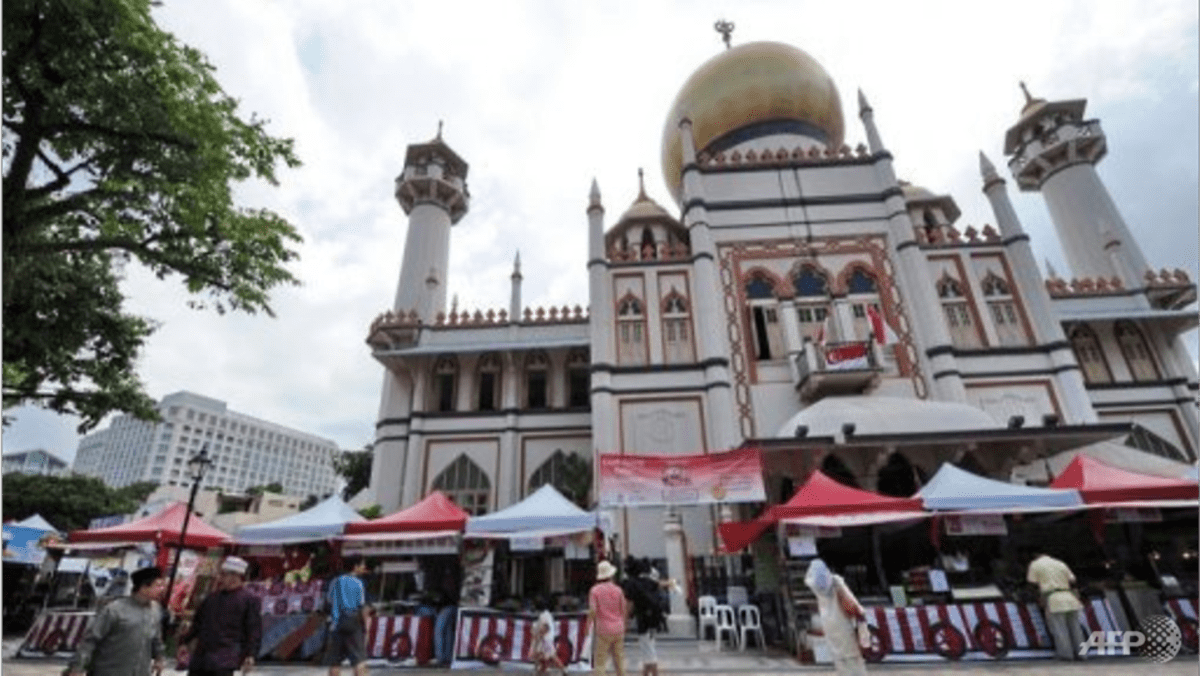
(797, 297)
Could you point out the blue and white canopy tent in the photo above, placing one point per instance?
(545, 513)
(954, 489)
(327, 519)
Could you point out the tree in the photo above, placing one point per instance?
(69, 502)
(119, 145)
(355, 468)
(273, 487)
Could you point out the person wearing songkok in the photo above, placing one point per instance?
(839, 609)
(125, 637)
(226, 631)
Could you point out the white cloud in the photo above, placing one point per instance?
(541, 97)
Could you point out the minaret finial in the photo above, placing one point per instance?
(725, 28)
(863, 106)
(641, 186)
(439, 134)
(1028, 98)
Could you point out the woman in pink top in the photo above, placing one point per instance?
(607, 609)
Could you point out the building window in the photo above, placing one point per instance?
(677, 338)
(579, 379)
(1003, 309)
(763, 309)
(958, 313)
(570, 475)
(862, 292)
(812, 302)
(536, 366)
(1136, 352)
(466, 484)
(631, 330)
(445, 373)
(489, 382)
(1089, 355)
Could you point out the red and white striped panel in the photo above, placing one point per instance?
(908, 630)
(1181, 608)
(383, 637)
(1098, 615)
(63, 630)
(487, 638)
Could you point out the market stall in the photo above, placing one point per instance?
(420, 546)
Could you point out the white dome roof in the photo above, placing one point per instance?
(887, 415)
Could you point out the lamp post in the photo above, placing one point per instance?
(196, 468)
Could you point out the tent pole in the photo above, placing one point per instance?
(877, 554)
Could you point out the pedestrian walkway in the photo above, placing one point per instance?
(690, 658)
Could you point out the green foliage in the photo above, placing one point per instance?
(309, 502)
(371, 512)
(355, 468)
(69, 502)
(273, 487)
(119, 145)
(137, 491)
(575, 480)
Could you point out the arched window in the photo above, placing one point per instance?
(649, 249)
(835, 469)
(1090, 355)
(1136, 352)
(676, 325)
(570, 475)
(466, 484)
(631, 331)
(579, 379)
(1003, 310)
(764, 318)
(861, 282)
(445, 375)
(812, 301)
(536, 370)
(957, 312)
(489, 382)
(862, 292)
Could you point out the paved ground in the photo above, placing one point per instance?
(687, 658)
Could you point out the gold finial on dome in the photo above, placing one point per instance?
(725, 28)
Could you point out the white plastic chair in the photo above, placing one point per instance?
(750, 623)
(726, 624)
(708, 614)
(736, 597)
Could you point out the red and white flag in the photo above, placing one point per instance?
(847, 356)
(880, 330)
(820, 338)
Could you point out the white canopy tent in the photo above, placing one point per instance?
(954, 489)
(324, 520)
(545, 513)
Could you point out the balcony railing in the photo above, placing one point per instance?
(837, 368)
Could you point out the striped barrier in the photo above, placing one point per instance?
(1183, 611)
(973, 631)
(487, 638)
(287, 599)
(405, 639)
(55, 633)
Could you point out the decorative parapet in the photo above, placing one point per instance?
(393, 321)
(662, 251)
(949, 236)
(797, 155)
(1087, 286)
(1167, 277)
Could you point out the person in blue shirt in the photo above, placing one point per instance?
(348, 617)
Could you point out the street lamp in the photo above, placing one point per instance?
(196, 468)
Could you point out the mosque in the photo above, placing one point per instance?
(796, 296)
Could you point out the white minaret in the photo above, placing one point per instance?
(1054, 150)
(432, 190)
(514, 302)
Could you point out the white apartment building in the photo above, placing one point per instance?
(245, 450)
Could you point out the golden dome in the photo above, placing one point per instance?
(744, 87)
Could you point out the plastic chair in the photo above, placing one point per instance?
(750, 623)
(726, 624)
(708, 614)
(736, 597)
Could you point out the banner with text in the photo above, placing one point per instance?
(647, 480)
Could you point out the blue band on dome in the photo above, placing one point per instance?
(767, 128)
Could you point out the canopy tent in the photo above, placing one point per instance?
(326, 519)
(1193, 473)
(161, 529)
(544, 513)
(36, 522)
(435, 513)
(1098, 482)
(952, 488)
(821, 496)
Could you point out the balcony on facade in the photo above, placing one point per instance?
(830, 369)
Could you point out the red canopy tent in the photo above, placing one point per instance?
(1098, 482)
(162, 529)
(820, 495)
(435, 513)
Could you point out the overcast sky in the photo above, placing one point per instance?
(542, 97)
